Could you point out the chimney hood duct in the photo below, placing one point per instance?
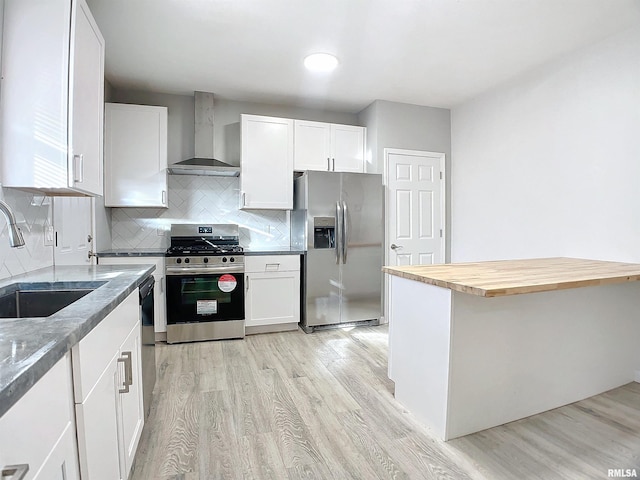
(203, 163)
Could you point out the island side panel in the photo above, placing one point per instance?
(419, 333)
(512, 357)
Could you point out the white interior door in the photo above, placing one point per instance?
(73, 225)
(415, 207)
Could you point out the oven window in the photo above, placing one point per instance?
(203, 298)
(195, 289)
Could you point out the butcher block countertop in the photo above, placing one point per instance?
(513, 277)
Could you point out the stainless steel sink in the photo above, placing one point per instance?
(41, 299)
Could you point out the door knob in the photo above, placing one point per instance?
(395, 247)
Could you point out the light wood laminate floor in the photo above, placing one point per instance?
(320, 406)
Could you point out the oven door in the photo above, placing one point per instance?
(199, 297)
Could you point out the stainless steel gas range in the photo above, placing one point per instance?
(205, 283)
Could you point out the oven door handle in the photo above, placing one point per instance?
(206, 271)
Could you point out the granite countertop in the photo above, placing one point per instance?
(159, 252)
(512, 277)
(273, 251)
(29, 347)
(133, 252)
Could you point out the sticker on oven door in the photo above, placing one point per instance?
(227, 283)
(206, 307)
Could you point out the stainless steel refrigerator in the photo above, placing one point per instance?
(338, 220)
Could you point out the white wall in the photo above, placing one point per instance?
(411, 127)
(549, 165)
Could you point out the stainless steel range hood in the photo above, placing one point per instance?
(203, 162)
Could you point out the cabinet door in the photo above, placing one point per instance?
(135, 156)
(347, 148)
(86, 102)
(132, 411)
(62, 462)
(266, 179)
(39, 430)
(97, 417)
(52, 97)
(159, 302)
(312, 146)
(272, 298)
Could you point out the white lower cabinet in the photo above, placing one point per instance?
(40, 429)
(159, 296)
(272, 300)
(108, 393)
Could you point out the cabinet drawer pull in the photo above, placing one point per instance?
(164, 197)
(328, 164)
(78, 168)
(334, 165)
(15, 472)
(271, 267)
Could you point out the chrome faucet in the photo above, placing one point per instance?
(15, 235)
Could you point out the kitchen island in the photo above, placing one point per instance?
(476, 345)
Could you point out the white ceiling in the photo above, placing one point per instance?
(426, 52)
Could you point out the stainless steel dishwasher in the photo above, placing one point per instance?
(148, 343)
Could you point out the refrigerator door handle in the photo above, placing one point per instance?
(345, 232)
(339, 223)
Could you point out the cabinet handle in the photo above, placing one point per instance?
(244, 199)
(128, 373)
(328, 164)
(334, 164)
(247, 282)
(162, 285)
(15, 472)
(129, 376)
(164, 197)
(78, 168)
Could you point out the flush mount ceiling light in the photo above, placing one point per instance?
(320, 62)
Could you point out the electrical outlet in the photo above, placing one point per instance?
(49, 235)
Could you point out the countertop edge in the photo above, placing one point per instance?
(50, 353)
(516, 289)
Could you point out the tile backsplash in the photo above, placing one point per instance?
(33, 215)
(198, 199)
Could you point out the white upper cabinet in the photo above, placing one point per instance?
(312, 150)
(52, 98)
(266, 163)
(347, 148)
(328, 147)
(135, 150)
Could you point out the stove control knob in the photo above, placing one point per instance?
(224, 259)
(186, 260)
(178, 260)
(232, 259)
(205, 260)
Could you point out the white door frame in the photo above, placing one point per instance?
(443, 197)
